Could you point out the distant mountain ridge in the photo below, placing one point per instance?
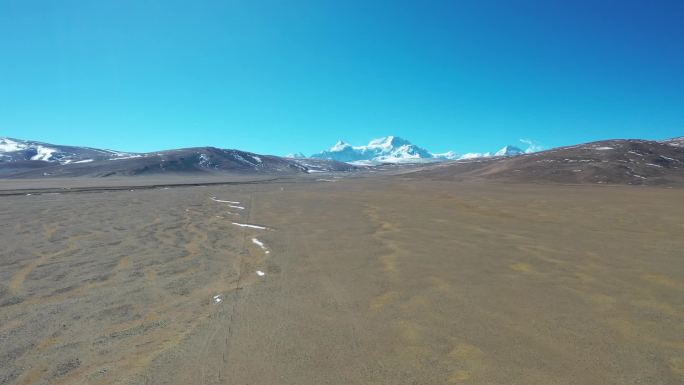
(393, 149)
(30, 159)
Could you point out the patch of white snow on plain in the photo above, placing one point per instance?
(635, 153)
(603, 148)
(325, 180)
(218, 298)
(236, 207)
(260, 273)
(222, 201)
(668, 158)
(639, 176)
(261, 245)
(250, 226)
(654, 165)
(84, 161)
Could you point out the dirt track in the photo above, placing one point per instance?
(386, 281)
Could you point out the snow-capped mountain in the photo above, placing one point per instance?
(17, 150)
(509, 151)
(390, 149)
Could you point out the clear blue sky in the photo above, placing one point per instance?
(284, 76)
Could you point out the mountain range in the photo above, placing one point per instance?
(393, 149)
(625, 161)
(30, 159)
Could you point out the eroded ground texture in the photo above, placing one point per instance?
(344, 281)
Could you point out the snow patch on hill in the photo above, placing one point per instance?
(9, 145)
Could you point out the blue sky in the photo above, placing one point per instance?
(284, 76)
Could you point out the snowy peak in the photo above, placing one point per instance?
(509, 151)
(388, 149)
(339, 146)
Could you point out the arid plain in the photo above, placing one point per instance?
(389, 280)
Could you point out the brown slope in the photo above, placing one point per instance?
(637, 162)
